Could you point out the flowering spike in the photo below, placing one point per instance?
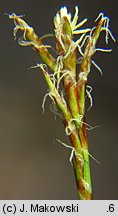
(67, 84)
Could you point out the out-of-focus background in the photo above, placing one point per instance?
(33, 165)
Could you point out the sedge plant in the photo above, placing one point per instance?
(67, 82)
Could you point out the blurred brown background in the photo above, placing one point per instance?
(32, 164)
